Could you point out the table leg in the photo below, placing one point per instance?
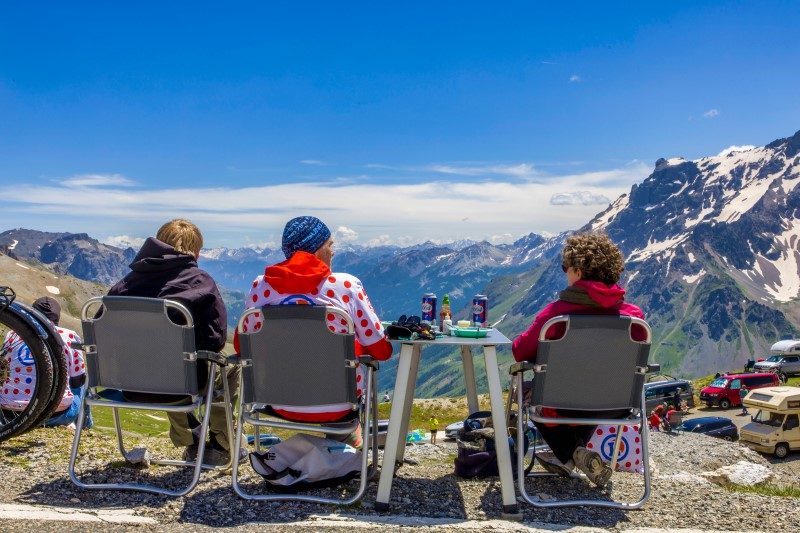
(394, 434)
(469, 379)
(411, 385)
(500, 430)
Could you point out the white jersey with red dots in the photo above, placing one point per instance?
(340, 290)
(18, 388)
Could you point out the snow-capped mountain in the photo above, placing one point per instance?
(712, 255)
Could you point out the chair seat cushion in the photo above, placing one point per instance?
(115, 395)
(314, 418)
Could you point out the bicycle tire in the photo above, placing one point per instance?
(13, 423)
(55, 348)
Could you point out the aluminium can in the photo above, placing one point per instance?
(480, 310)
(429, 307)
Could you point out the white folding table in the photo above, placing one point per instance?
(404, 386)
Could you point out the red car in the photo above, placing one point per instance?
(724, 391)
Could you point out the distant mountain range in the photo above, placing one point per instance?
(712, 252)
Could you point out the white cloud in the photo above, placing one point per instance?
(97, 180)
(376, 211)
(733, 149)
(124, 241)
(313, 162)
(522, 170)
(505, 238)
(579, 198)
(711, 113)
(343, 234)
(575, 79)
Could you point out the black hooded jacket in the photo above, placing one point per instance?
(160, 271)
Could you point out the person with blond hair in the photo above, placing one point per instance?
(166, 267)
(592, 264)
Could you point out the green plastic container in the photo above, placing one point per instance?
(471, 332)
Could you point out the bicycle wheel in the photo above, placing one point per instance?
(56, 351)
(13, 419)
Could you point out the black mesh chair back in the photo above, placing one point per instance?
(595, 366)
(294, 359)
(134, 345)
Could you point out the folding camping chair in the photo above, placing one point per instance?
(293, 359)
(136, 346)
(596, 366)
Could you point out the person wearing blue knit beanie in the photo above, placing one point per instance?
(305, 278)
(306, 234)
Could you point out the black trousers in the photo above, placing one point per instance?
(564, 438)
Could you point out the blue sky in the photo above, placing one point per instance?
(396, 123)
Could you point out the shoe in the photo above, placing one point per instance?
(550, 462)
(190, 453)
(592, 465)
(214, 455)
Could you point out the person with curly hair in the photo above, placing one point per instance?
(592, 264)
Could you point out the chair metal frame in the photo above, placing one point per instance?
(638, 416)
(251, 413)
(196, 401)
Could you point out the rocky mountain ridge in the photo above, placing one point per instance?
(712, 255)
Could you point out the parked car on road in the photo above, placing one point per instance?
(786, 364)
(724, 391)
(658, 392)
(714, 426)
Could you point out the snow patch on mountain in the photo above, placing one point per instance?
(693, 278)
(785, 286)
(656, 248)
(613, 210)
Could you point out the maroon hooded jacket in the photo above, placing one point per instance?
(609, 300)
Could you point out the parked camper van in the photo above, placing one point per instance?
(775, 428)
(724, 391)
(784, 358)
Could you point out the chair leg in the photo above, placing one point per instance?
(369, 434)
(118, 429)
(196, 464)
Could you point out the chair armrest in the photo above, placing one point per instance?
(524, 366)
(235, 360)
(653, 367)
(368, 361)
(77, 346)
(214, 357)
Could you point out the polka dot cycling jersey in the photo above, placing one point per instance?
(339, 290)
(17, 390)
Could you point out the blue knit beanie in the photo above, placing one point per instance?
(304, 233)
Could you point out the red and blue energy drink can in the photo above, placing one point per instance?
(429, 307)
(480, 310)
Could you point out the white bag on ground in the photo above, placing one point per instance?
(306, 460)
(630, 449)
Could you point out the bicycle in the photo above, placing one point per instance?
(30, 344)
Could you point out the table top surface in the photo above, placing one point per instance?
(494, 338)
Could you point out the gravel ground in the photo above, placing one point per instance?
(34, 469)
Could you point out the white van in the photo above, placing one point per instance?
(775, 428)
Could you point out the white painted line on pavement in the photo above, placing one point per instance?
(12, 511)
